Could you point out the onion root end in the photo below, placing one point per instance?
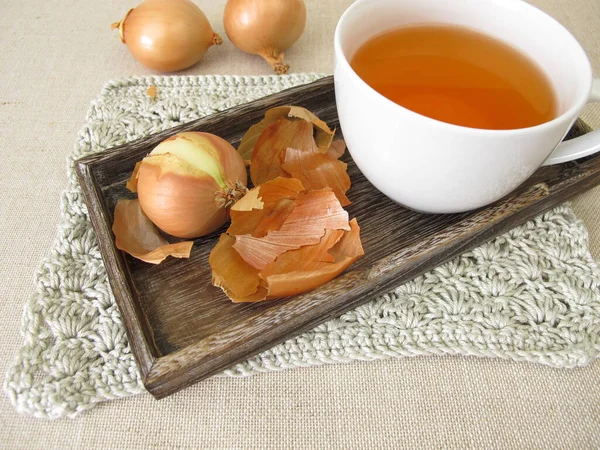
(217, 39)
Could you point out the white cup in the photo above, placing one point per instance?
(436, 167)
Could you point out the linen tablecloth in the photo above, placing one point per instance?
(55, 57)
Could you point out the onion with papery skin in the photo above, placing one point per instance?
(188, 183)
(167, 35)
(265, 27)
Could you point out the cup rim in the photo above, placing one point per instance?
(570, 114)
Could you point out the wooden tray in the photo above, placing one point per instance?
(181, 329)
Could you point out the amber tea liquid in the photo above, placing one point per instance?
(458, 76)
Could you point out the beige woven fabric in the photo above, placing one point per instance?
(54, 58)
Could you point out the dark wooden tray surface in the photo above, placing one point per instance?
(181, 329)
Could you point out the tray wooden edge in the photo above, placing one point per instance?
(154, 139)
(185, 367)
(136, 324)
(168, 374)
(138, 330)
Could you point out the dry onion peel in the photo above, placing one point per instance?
(293, 142)
(324, 133)
(306, 247)
(138, 236)
(336, 149)
(269, 151)
(269, 209)
(314, 212)
(132, 182)
(318, 171)
(188, 183)
(306, 277)
(265, 27)
(233, 275)
(167, 35)
(151, 91)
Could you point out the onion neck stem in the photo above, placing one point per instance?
(120, 25)
(275, 59)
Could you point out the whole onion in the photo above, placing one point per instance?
(167, 35)
(265, 27)
(188, 183)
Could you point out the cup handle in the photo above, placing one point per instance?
(581, 146)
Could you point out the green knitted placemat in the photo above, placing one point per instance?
(531, 294)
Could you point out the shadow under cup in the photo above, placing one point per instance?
(432, 166)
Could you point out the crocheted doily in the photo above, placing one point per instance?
(529, 295)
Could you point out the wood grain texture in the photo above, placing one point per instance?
(182, 329)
